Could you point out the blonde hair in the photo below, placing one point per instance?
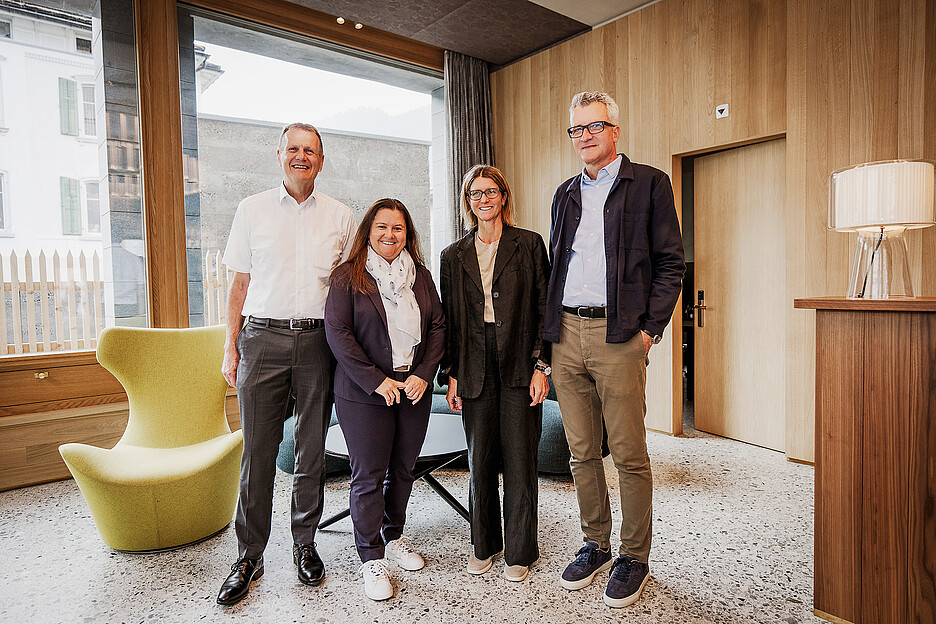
(493, 173)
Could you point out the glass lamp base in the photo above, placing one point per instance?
(880, 268)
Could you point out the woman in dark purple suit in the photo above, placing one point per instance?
(385, 326)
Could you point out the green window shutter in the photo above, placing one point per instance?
(71, 207)
(68, 107)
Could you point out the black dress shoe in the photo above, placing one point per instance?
(236, 586)
(310, 566)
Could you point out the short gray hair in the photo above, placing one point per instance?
(592, 97)
(302, 126)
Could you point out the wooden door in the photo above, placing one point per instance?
(739, 200)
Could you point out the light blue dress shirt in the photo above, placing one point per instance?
(586, 282)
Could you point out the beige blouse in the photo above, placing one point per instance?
(486, 254)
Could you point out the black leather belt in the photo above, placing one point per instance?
(585, 311)
(293, 324)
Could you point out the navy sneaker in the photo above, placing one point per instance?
(628, 577)
(590, 560)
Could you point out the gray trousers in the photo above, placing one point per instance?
(273, 364)
(502, 430)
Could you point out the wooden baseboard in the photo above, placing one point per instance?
(29, 442)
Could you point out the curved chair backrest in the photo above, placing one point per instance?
(173, 380)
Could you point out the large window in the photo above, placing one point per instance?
(375, 118)
(73, 152)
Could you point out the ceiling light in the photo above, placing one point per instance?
(340, 20)
(359, 26)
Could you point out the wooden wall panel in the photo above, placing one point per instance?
(667, 66)
(858, 91)
(847, 81)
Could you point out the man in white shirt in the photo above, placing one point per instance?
(283, 245)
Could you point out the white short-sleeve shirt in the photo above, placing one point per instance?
(289, 250)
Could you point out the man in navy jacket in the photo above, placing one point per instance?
(617, 268)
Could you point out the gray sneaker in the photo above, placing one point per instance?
(590, 560)
(628, 577)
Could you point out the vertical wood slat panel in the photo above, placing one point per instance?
(848, 80)
(645, 61)
(883, 542)
(921, 575)
(161, 159)
(840, 346)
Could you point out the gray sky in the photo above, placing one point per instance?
(258, 87)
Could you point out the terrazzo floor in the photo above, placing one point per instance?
(732, 531)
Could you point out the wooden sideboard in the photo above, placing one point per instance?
(875, 508)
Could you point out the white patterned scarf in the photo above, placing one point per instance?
(395, 283)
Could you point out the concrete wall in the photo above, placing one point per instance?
(237, 158)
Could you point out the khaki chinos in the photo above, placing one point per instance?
(597, 381)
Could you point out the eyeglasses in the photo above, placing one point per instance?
(491, 193)
(596, 127)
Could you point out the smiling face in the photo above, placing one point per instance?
(487, 208)
(388, 233)
(301, 158)
(595, 150)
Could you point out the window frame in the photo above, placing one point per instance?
(86, 232)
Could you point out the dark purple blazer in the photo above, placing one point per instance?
(356, 328)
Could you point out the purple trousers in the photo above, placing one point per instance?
(383, 444)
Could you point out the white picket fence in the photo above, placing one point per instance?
(217, 278)
(63, 311)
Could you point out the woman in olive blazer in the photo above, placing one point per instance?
(493, 283)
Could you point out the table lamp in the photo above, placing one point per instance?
(880, 201)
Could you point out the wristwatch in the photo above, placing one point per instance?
(654, 338)
(543, 367)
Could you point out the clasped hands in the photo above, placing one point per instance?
(413, 388)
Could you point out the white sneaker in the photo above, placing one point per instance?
(399, 550)
(479, 566)
(516, 573)
(376, 580)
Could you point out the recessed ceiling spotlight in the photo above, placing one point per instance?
(359, 26)
(340, 20)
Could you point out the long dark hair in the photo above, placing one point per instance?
(357, 259)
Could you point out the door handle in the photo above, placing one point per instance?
(700, 309)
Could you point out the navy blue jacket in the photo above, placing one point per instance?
(643, 251)
(356, 329)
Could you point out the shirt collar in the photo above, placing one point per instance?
(612, 169)
(283, 194)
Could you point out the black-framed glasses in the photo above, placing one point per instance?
(595, 127)
(491, 193)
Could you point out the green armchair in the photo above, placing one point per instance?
(172, 479)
